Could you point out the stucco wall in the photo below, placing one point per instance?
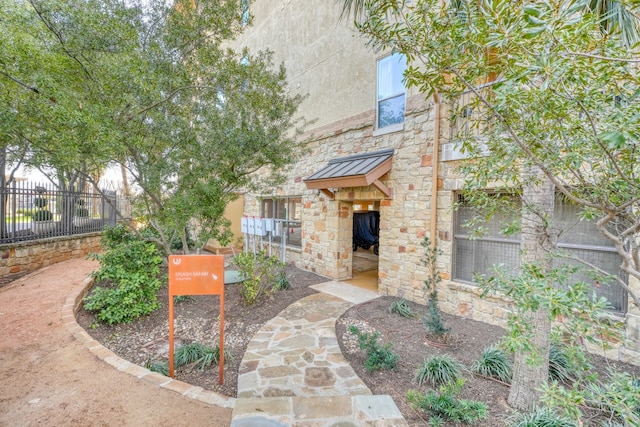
(323, 55)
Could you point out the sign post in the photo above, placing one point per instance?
(196, 275)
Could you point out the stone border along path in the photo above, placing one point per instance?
(292, 374)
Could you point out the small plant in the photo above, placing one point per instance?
(196, 353)
(438, 370)
(182, 298)
(559, 365)
(401, 307)
(443, 405)
(378, 356)
(159, 367)
(282, 282)
(493, 363)
(260, 274)
(433, 319)
(542, 417)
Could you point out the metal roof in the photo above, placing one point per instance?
(353, 171)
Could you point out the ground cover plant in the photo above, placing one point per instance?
(144, 341)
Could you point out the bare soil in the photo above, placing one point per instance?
(145, 340)
(49, 378)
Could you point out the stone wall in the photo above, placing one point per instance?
(404, 218)
(20, 258)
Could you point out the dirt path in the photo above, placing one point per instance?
(49, 378)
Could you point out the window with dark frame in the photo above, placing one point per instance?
(478, 254)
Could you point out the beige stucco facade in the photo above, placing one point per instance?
(331, 64)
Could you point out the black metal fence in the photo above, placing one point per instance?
(32, 211)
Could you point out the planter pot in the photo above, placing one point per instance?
(43, 227)
(81, 221)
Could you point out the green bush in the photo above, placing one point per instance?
(42, 215)
(82, 212)
(542, 417)
(493, 363)
(618, 398)
(439, 370)
(443, 405)
(260, 273)
(127, 281)
(40, 202)
(378, 356)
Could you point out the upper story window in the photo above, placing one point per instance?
(391, 90)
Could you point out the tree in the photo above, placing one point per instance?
(560, 115)
(153, 87)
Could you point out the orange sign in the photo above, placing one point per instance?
(196, 275)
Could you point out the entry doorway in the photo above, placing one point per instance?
(364, 259)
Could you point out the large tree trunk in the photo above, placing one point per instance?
(537, 239)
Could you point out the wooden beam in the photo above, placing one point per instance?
(383, 188)
(328, 193)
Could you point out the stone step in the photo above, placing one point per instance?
(319, 411)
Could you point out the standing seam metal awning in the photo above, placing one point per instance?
(360, 170)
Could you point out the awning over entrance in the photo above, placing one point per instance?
(360, 170)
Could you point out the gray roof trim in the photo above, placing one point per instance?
(356, 165)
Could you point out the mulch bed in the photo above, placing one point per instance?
(145, 340)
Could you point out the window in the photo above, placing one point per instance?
(288, 212)
(391, 91)
(580, 238)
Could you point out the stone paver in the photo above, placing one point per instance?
(294, 374)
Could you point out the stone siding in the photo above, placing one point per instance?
(29, 256)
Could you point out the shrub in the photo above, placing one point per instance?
(259, 272)
(127, 281)
(443, 405)
(42, 215)
(82, 212)
(493, 363)
(542, 417)
(401, 307)
(40, 202)
(559, 365)
(113, 237)
(378, 357)
(438, 370)
(618, 398)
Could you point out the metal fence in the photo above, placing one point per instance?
(32, 211)
(286, 233)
